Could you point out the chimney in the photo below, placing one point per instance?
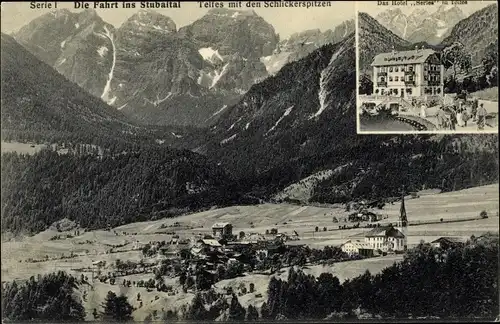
(416, 48)
(423, 46)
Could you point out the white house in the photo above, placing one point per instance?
(357, 247)
(390, 238)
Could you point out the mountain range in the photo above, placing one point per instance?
(159, 74)
(421, 25)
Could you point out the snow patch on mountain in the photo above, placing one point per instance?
(121, 107)
(176, 135)
(230, 138)
(77, 25)
(219, 111)
(103, 50)
(62, 61)
(219, 75)
(234, 124)
(209, 54)
(107, 87)
(286, 113)
(63, 43)
(323, 91)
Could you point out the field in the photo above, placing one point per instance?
(93, 246)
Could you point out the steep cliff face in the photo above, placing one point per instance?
(299, 45)
(421, 25)
(160, 75)
(478, 33)
(77, 45)
(294, 110)
(374, 39)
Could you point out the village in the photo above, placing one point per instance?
(167, 261)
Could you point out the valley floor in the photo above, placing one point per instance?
(97, 245)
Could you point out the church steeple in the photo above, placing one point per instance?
(402, 211)
(402, 224)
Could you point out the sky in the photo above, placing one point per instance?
(373, 9)
(286, 21)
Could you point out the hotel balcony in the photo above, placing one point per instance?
(381, 74)
(409, 72)
(410, 82)
(434, 83)
(381, 84)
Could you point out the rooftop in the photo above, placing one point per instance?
(220, 225)
(389, 231)
(359, 244)
(403, 57)
(450, 239)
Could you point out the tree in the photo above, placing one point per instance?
(148, 319)
(252, 313)
(252, 287)
(117, 308)
(483, 214)
(196, 310)
(242, 235)
(316, 229)
(456, 57)
(236, 311)
(365, 84)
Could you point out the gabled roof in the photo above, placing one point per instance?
(388, 231)
(220, 225)
(450, 239)
(211, 242)
(403, 57)
(360, 245)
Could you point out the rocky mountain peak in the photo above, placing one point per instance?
(150, 19)
(233, 13)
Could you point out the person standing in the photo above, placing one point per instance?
(465, 116)
(423, 110)
(460, 121)
(474, 109)
(441, 117)
(481, 117)
(453, 120)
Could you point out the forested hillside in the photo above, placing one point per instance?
(111, 190)
(40, 105)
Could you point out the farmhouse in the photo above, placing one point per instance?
(221, 230)
(408, 73)
(357, 247)
(448, 242)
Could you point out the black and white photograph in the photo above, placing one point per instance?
(169, 161)
(427, 66)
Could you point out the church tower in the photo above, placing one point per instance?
(402, 224)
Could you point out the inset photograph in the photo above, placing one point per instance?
(427, 69)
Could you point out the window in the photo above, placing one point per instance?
(409, 91)
(390, 69)
(396, 78)
(438, 90)
(395, 91)
(382, 79)
(410, 78)
(426, 77)
(410, 68)
(390, 78)
(425, 67)
(396, 69)
(376, 91)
